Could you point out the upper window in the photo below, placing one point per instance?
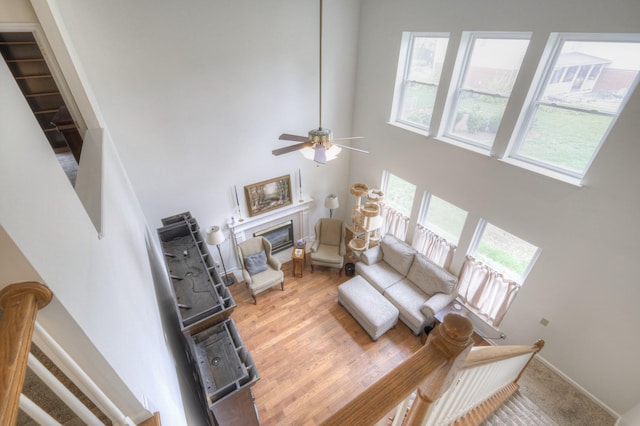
(583, 89)
(398, 193)
(487, 75)
(418, 78)
(442, 217)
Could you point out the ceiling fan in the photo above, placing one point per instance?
(320, 140)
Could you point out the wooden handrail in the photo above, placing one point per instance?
(430, 370)
(20, 303)
(488, 354)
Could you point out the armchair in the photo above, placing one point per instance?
(260, 269)
(329, 248)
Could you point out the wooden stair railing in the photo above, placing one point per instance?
(20, 303)
(430, 370)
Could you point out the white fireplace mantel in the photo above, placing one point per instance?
(298, 212)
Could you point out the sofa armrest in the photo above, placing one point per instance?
(372, 255)
(436, 303)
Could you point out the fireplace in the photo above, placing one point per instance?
(280, 236)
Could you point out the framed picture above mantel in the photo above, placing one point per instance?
(268, 195)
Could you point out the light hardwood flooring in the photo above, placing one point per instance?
(312, 356)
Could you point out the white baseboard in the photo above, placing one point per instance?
(580, 388)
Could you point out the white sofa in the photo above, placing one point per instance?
(416, 286)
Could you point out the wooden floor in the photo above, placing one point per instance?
(312, 356)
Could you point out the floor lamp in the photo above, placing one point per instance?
(331, 202)
(215, 237)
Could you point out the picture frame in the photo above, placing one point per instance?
(268, 195)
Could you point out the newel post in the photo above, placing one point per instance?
(20, 303)
(453, 339)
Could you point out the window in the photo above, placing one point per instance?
(497, 265)
(398, 193)
(487, 75)
(439, 227)
(419, 75)
(397, 205)
(442, 217)
(584, 87)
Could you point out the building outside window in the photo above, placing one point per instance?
(419, 73)
(584, 86)
(487, 75)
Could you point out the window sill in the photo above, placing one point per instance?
(542, 171)
(483, 151)
(409, 128)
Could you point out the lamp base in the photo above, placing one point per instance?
(228, 280)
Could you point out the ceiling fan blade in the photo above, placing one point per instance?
(344, 139)
(288, 137)
(349, 147)
(320, 155)
(292, 148)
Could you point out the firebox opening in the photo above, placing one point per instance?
(280, 236)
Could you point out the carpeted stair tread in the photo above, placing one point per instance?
(519, 411)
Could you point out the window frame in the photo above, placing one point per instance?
(424, 211)
(545, 73)
(467, 44)
(402, 79)
(475, 244)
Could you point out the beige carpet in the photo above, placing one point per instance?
(560, 400)
(519, 411)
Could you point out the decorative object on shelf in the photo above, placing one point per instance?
(332, 203)
(235, 190)
(301, 243)
(215, 237)
(300, 200)
(268, 195)
(319, 146)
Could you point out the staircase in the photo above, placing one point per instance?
(519, 411)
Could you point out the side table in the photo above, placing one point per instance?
(298, 257)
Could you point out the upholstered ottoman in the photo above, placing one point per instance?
(372, 311)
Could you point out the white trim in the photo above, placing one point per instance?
(62, 392)
(78, 376)
(35, 412)
(578, 387)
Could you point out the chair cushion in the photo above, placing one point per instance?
(431, 278)
(327, 254)
(397, 254)
(256, 263)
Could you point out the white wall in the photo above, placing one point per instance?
(102, 286)
(584, 281)
(196, 93)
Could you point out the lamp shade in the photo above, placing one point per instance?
(215, 236)
(331, 202)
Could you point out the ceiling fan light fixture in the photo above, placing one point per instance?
(330, 154)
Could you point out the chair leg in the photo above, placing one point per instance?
(255, 301)
(340, 272)
(312, 268)
(282, 285)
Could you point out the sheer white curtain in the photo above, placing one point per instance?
(433, 246)
(486, 290)
(393, 222)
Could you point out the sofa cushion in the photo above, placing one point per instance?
(431, 278)
(256, 263)
(380, 275)
(397, 253)
(408, 299)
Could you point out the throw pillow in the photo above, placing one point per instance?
(256, 263)
(398, 254)
(430, 277)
